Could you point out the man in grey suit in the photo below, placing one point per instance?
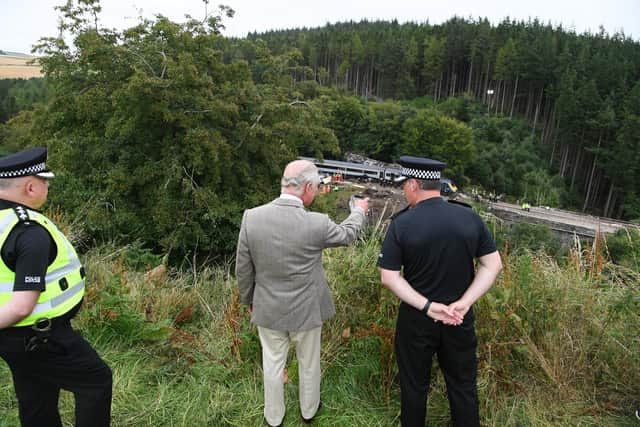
(281, 279)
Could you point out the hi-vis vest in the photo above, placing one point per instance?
(65, 276)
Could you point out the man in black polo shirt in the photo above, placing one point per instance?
(435, 243)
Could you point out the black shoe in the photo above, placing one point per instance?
(309, 420)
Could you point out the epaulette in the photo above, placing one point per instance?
(457, 202)
(400, 212)
(21, 213)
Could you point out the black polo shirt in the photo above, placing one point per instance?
(28, 251)
(435, 244)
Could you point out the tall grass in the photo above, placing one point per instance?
(559, 344)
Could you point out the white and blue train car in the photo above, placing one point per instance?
(363, 172)
(359, 171)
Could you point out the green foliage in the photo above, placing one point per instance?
(509, 162)
(138, 258)
(570, 88)
(459, 107)
(435, 136)
(522, 238)
(117, 317)
(19, 94)
(347, 120)
(384, 129)
(625, 155)
(541, 189)
(624, 248)
(157, 139)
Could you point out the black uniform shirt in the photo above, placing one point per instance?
(28, 251)
(436, 242)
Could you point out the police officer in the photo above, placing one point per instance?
(41, 289)
(435, 243)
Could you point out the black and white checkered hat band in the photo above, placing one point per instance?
(31, 170)
(421, 174)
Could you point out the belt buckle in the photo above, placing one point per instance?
(43, 324)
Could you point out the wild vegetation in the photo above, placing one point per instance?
(162, 134)
(18, 95)
(558, 342)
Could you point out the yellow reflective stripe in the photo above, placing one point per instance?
(63, 271)
(4, 223)
(51, 277)
(60, 299)
(7, 220)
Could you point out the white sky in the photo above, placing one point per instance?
(23, 22)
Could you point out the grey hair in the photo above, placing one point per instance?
(429, 184)
(296, 183)
(6, 183)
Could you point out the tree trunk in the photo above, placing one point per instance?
(593, 168)
(620, 209)
(607, 205)
(486, 84)
(513, 100)
(548, 126)
(535, 117)
(452, 86)
(596, 198)
(576, 167)
(563, 163)
(527, 112)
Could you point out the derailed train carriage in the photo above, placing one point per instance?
(364, 172)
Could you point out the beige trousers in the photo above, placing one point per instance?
(275, 348)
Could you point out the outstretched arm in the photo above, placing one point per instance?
(347, 231)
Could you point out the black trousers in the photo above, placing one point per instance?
(418, 338)
(68, 362)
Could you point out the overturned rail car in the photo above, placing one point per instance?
(364, 172)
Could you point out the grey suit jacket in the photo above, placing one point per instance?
(279, 263)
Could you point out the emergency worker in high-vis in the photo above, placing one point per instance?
(42, 284)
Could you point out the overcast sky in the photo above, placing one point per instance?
(23, 22)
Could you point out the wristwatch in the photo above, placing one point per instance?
(425, 309)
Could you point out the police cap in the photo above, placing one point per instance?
(420, 168)
(25, 163)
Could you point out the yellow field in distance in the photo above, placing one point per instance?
(15, 67)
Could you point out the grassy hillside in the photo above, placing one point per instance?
(559, 344)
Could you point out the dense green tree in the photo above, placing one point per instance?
(570, 88)
(347, 120)
(19, 94)
(384, 130)
(156, 138)
(429, 134)
(625, 155)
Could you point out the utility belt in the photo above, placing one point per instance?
(35, 338)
